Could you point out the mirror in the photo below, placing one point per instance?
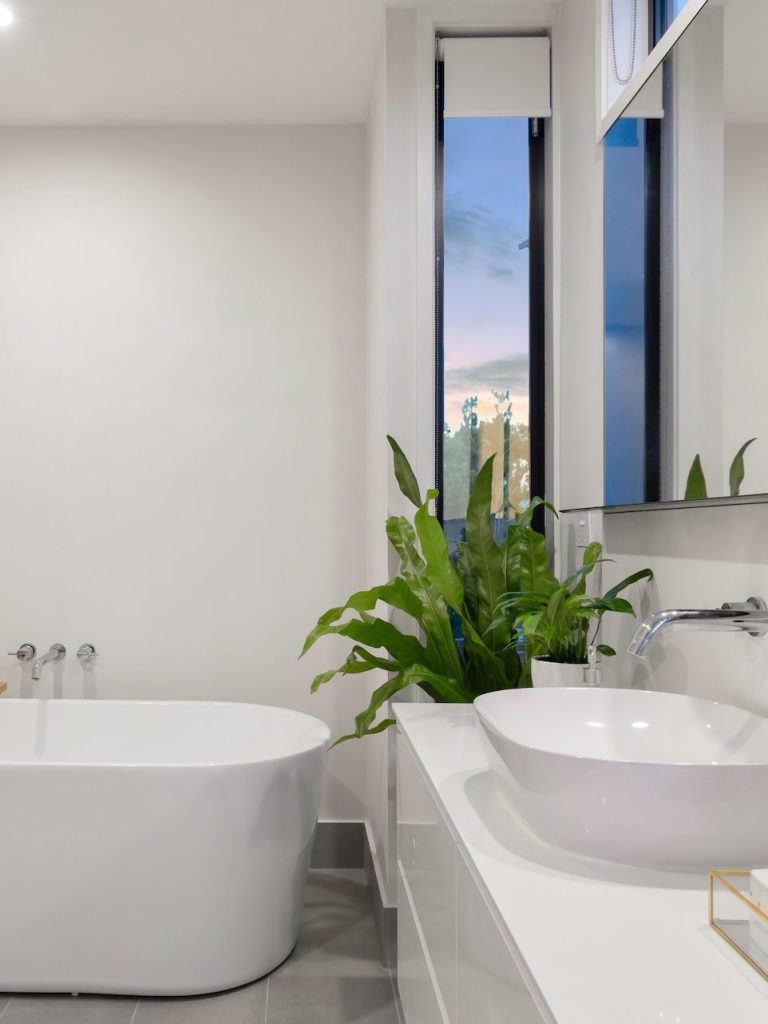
(632, 29)
(686, 298)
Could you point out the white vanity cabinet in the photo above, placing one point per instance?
(456, 965)
(497, 927)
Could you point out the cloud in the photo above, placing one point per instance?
(475, 237)
(496, 375)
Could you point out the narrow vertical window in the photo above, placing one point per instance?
(490, 301)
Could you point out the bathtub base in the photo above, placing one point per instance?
(153, 880)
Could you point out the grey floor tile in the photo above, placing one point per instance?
(31, 1009)
(338, 934)
(334, 976)
(245, 1005)
(330, 1000)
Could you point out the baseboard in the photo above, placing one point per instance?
(384, 915)
(339, 844)
(346, 844)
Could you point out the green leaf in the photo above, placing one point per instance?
(525, 517)
(380, 696)
(379, 727)
(642, 574)
(441, 572)
(696, 485)
(494, 673)
(449, 689)
(379, 633)
(534, 569)
(396, 593)
(434, 617)
(404, 475)
(589, 561)
(464, 566)
(555, 601)
(359, 660)
(579, 575)
(485, 556)
(414, 674)
(606, 650)
(607, 604)
(736, 474)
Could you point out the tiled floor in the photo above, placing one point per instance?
(333, 977)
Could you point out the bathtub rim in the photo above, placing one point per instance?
(323, 744)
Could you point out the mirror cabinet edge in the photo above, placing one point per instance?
(608, 118)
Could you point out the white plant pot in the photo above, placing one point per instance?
(555, 673)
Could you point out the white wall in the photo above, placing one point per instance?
(746, 299)
(578, 399)
(182, 364)
(701, 557)
(400, 345)
(377, 748)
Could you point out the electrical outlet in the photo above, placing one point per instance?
(583, 533)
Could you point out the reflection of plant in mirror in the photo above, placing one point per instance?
(444, 599)
(696, 485)
(555, 617)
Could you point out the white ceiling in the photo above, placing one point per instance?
(188, 61)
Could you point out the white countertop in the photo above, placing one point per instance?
(604, 944)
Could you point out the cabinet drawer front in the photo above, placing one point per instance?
(490, 987)
(414, 975)
(427, 853)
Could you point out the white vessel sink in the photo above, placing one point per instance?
(653, 779)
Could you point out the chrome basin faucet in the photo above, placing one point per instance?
(54, 653)
(750, 616)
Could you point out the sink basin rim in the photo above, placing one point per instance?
(484, 703)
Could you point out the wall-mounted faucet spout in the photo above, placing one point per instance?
(55, 653)
(750, 616)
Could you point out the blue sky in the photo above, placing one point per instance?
(486, 274)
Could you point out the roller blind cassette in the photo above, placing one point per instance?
(497, 77)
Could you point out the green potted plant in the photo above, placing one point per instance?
(459, 647)
(560, 621)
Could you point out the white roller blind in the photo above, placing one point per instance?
(497, 77)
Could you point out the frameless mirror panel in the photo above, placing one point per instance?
(632, 28)
(686, 304)
(664, 14)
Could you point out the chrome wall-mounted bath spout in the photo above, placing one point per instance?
(55, 653)
(750, 616)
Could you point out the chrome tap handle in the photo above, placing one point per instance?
(86, 653)
(25, 653)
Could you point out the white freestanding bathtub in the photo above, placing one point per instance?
(152, 848)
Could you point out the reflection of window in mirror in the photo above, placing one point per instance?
(632, 162)
(627, 38)
(663, 14)
(632, 29)
(686, 304)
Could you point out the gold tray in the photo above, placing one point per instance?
(732, 911)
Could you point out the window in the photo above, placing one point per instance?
(490, 306)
